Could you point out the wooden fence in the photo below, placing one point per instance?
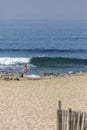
(71, 120)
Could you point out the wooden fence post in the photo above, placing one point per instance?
(70, 122)
(59, 117)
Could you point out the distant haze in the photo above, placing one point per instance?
(43, 9)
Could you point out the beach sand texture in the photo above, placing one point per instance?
(33, 104)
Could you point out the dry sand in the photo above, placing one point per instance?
(32, 104)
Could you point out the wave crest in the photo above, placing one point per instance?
(57, 61)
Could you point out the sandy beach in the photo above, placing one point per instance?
(32, 104)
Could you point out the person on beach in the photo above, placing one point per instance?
(25, 70)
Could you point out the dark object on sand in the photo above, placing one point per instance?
(21, 75)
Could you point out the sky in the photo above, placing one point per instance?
(43, 9)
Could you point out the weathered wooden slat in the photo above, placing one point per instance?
(67, 122)
(80, 122)
(83, 119)
(63, 118)
(86, 121)
(74, 121)
(59, 115)
(72, 118)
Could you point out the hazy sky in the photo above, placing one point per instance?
(43, 9)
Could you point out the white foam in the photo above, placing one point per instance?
(70, 72)
(32, 76)
(13, 60)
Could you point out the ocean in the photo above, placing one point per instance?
(45, 46)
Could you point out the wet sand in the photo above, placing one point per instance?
(32, 104)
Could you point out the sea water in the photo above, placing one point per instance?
(45, 46)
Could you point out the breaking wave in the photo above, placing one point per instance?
(43, 61)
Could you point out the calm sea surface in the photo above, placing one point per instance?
(45, 46)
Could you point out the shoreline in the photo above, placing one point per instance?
(19, 75)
